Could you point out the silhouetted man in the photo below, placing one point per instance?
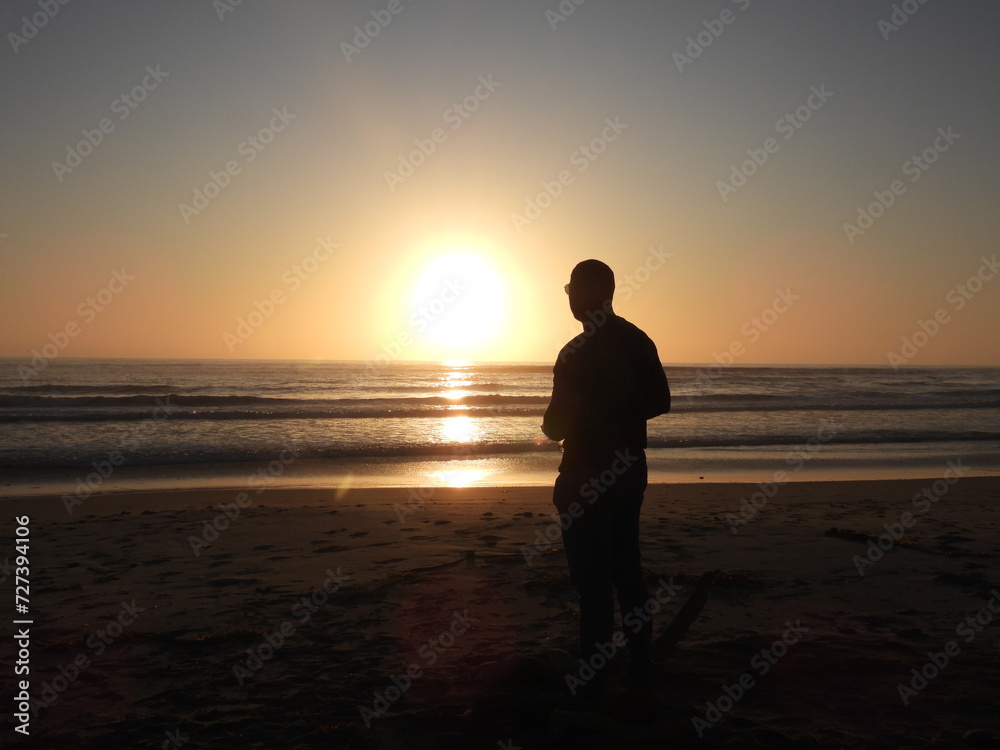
(606, 383)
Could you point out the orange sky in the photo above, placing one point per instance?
(267, 197)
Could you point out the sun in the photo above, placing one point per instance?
(458, 304)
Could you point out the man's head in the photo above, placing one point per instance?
(591, 288)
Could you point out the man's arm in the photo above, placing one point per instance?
(563, 405)
(657, 388)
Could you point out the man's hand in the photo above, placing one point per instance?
(558, 419)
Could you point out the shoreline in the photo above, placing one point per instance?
(728, 497)
(538, 470)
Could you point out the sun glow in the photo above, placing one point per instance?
(458, 304)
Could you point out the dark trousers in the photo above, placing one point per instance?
(602, 549)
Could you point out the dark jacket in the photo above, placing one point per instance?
(606, 383)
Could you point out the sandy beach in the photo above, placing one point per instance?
(441, 618)
(307, 304)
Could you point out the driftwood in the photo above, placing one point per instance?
(565, 723)
(665, 644)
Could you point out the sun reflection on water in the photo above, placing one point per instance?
(461, 477)
(459, 429)
(456, 382)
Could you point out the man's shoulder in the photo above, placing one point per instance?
(614, 332)
(625, 325)
(570, 349)
(630, 332)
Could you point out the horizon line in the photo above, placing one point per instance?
(748, 365)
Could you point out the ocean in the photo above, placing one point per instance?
(129, 422)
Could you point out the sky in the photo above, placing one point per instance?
(787, 183)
